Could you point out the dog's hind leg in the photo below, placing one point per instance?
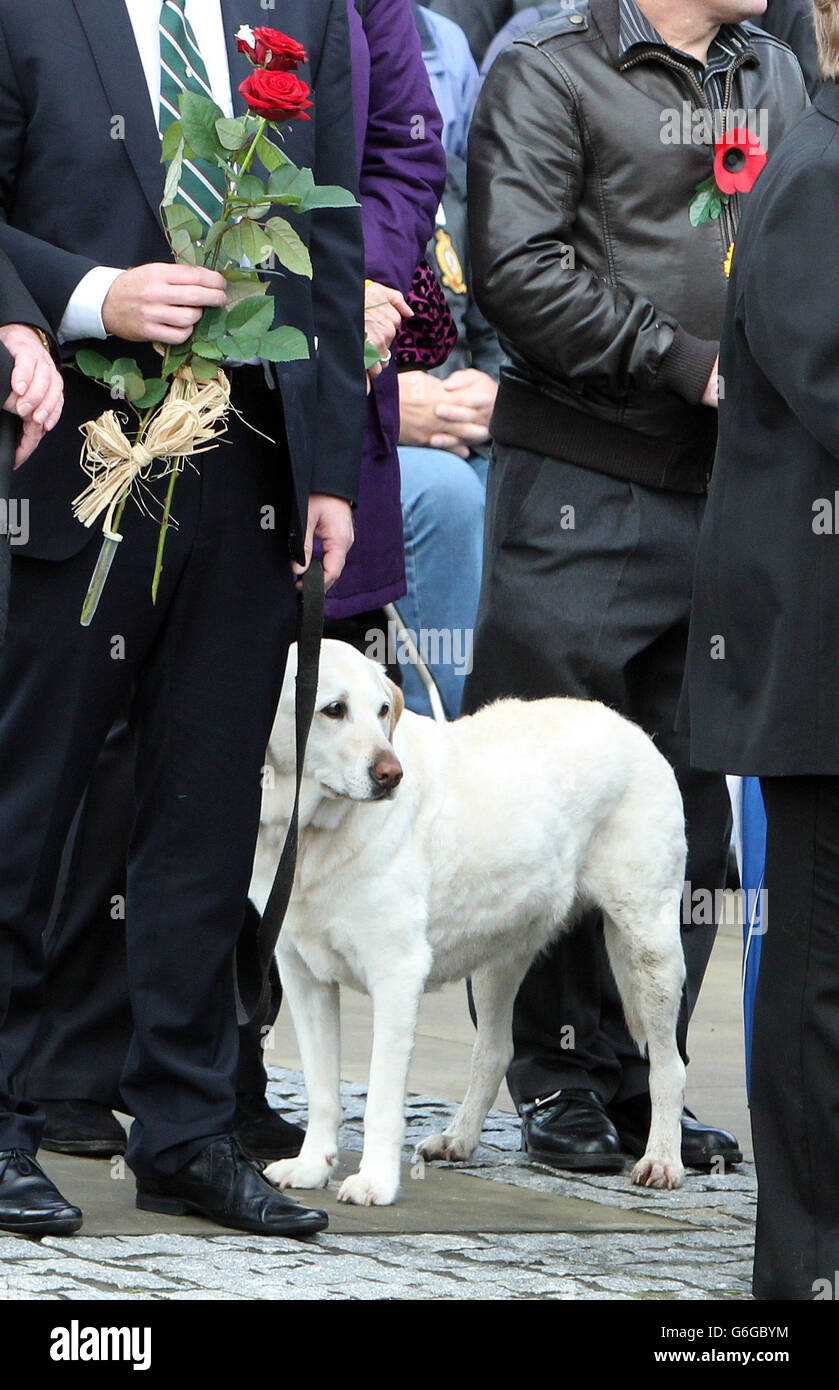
(494, 988)
(396, 997)
(645, 952)
(315, 1014)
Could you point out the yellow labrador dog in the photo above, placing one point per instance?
(429, 852)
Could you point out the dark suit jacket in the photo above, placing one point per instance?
(74, 194)
(16, 306)
(763, 670)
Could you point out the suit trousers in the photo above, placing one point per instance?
(795, 1044)
(200, 672)
(85, 1028)
(586, 593)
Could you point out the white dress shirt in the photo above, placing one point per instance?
(83, 315)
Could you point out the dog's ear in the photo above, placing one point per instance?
(398, 704)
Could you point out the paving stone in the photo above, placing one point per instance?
(709, 1259)
(17, 1247)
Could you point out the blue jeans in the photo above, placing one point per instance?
(443, 516)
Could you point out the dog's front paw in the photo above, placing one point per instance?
(301, 1172)
(363, 1190)
(447, 1146)
(655, 1172)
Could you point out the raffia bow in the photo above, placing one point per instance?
(189, 421)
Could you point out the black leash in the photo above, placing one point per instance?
(255, 952)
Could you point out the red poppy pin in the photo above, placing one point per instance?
(738, 159)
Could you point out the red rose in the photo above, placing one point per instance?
(277, 96)
(271, 49)
(738, 159)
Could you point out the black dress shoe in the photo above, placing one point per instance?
(703, 1146)
(224, 1184)
(262, 1132)
(570, 1129)
(83, 1127)
(31, 1205)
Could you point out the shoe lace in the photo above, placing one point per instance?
(21, 1160)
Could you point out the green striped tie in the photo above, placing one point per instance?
(182, 70)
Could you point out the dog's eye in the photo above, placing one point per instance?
(336, 710)
(384, 712)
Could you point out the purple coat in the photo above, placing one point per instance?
(401, 181)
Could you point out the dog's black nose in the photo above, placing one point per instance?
(386, 772)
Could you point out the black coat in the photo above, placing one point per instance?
(16, 306)
(763, 665)
(73, 196)
(792, 21)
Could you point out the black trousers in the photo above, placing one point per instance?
(795, 1044)
(586, 593)
(85, 1027)
(201, 671)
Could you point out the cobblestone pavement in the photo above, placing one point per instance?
(709, 1259)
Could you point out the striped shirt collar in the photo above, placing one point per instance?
(636, 30)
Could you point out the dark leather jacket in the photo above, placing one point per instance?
(607, 300)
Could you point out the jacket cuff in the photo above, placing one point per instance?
(687, 365)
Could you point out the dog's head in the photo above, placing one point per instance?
(349, 751)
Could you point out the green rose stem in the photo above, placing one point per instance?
(230, 195)
(167, 506)
(248, 159)
(164, 527)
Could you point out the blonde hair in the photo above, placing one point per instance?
(826, 15)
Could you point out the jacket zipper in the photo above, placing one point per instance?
(656, 54)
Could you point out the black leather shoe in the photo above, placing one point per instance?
(31, 1205)
(224, 1184)
(703, 1146)
(262, 1132)
(570, 1129)
(82, 1127)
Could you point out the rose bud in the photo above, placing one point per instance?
(269, 48)
(277, 51)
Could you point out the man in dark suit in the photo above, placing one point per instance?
(202, 667)
(31, 394)
(763, 673)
